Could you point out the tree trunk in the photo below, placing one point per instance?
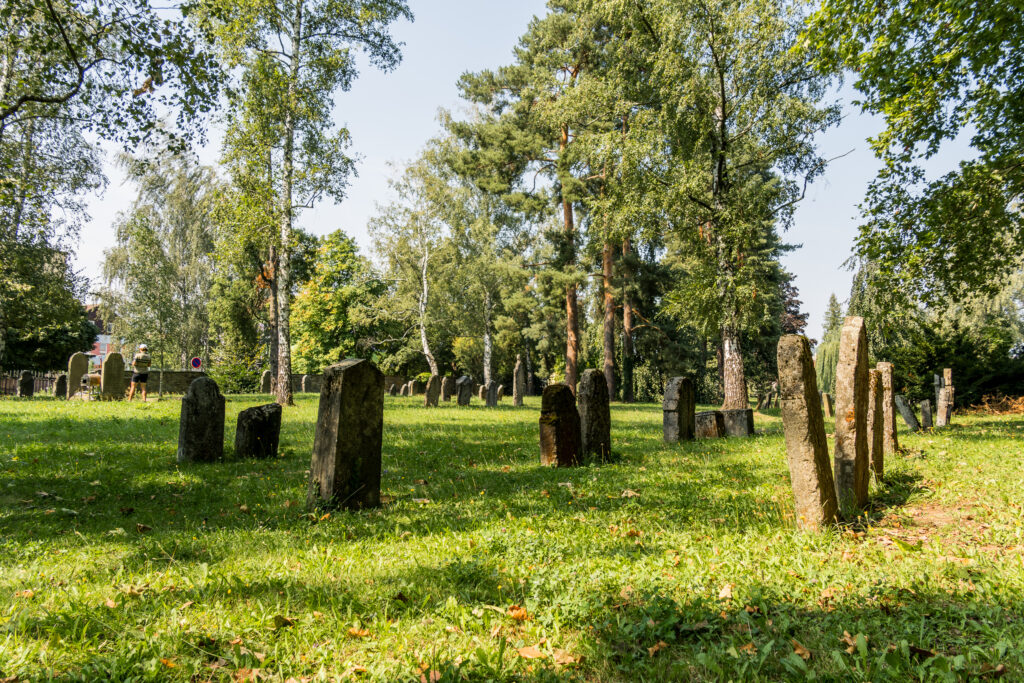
(733, 379)
(272, 315)
(488, 341)
(609, 319)
(572, 327)
(424, 295)
(529, 371)
(627, 326)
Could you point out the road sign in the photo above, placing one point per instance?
(197, 363)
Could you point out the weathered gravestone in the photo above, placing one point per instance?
(60, 387)
(345, 469)
(393, 391)
(595, 415)
(942, 408)
(447, 388)
(266, 382)
(433, 392)
(677, 410)
(501, 392)
(78, 367)
(405, 390)
(826, 405)
(112, 379)
(201, 429)
(890, 443)
(311, 384)
(876, 425)
(412, 387)
(559, 427)
(851, 459)
(814, 491)
(518, 382)
(709, 424)
(481, 392)
(491, 394)
(258, 432)
(738, 422)
(907, 413)
(463, 390)
(926, 415)
(26, 384)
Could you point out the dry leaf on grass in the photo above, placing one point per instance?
(749, 649)
(168, 663)
(530, 652)
(27, 593)
(656, 648)
(358, 632)
(565, 658)
(281, 621)
(726, 592)
(800, 650)
(110, 603)
(518, 613)
(629, 493)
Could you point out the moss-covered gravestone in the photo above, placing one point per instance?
(346, 466)
(490, 394)
(738, 422)
(890, 442)
(447, 388)
(433, 392)
(851, 472)
(112, 379)
(258, 432)
(463, 390)
(201, 429)
(595, 415)
(559, 427)
(518, 382)
(78, 367)
(26, 384)
(60, 387)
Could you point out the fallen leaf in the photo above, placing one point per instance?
(565, 658)
(243, 508)
(319, 616)
(110, 603)
(629, 493)
(749, 648)
(989, 671)
(920, 653)
(656, 648)
(530, 652)
(800, 650)
(187, 604)
(168, 663)
(282, 621)
(420, 482)
(518, 613)
(27, 593)
(355, 632)
(726, 592)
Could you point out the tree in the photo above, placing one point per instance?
(826, 357)
(48, 347)
(292, 57)
(935, 70)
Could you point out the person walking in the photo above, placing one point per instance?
(140, 370)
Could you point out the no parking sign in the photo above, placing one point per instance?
(197, 363)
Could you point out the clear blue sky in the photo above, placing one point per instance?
(392, 115)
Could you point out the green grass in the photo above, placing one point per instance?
(118, 564)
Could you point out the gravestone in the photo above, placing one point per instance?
(942, 408)
(405, 390)
(851, 458)
(907, 413)
(890, 442)
(78, 367)
(266, 385)
(345, 469)
(876, 425)
(501, 392)
(112, 378)
(491, 394)
(60, 387)
(433, 392)
(595, 415)
(258, 432)
(447, 388)
(738, 422)
(412, 387)
(518, 382)
(826, 405)
(481, 392)
(810, 473)
(393, 391)
(463, 390)
(559, 427)
(311, 384)
(26, 384)
(709, 424)
(201, 429)
(926, 415)
(937, 382)
(677, 410)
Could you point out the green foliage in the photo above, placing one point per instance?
(48, 347)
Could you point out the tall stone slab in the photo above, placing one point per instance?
(258, 432)
(907, 413)
(491, 394)
(78, 367)
(926, 415)
(943, 410)
(311, 384)
(447, 388)
(518, 382)
(677, 410)
(814, 490)
(738, 422)
(201, 429)
(595, 416)
(112, 384)
(405, 390)
(559, 427)
(463, 390)
(26, 384)
(501, 392)
(265, 382)
(890, 441)
(345, 469)
(876, 425)
(709, 424)
(60, 387)
(851, 460)
(433, 392)
(826, 405)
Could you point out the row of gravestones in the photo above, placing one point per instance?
(445, 388)
(306, 384)
(865, 430)
(680, 422)
(201, 429)
(943, 413)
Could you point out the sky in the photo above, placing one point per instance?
(391, 116)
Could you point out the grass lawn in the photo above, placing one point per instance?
(677, 562)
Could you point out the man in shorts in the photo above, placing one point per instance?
(140, 369)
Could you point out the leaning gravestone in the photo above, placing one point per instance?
(890, 443)
(814, 490)
(595, 415)
(851, 458)
(433, 392)
(463, 390)
(826, 405)
(258, 432)
(78, 367)
(265, 382)
(481, 392)
(926, 415)
(709, 424)
(876, 425)
(60, 387)
(677, 410)
(393, 391)
(491, 394)
(447, 388)
(26, 384)
(405, 390)
(518, 382)
(559, 427)
(112, 377)
(345, 469)
(738, 422)
(907, 413)
(201, 429)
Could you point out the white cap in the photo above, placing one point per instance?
(143, 346)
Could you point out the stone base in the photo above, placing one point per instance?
(710, 424)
